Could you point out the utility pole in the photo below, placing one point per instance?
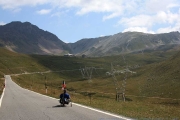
(32, 82)
(87, 72)
(117, 86)
(124, 81)
(119, 90)
(46, 85)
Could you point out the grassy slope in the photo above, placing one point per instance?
(151, 80)
(1, 86)
(159, 79)
(166, 76)
(12, 63)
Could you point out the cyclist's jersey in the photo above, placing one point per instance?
(66, 95)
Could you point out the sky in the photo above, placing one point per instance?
(73, 20)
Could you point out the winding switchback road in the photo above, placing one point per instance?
(22, 104)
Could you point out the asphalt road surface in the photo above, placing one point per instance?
(22, 104)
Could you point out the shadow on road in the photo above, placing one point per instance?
(58, 106)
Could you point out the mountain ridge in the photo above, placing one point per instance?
(29, 39)
(129, 42)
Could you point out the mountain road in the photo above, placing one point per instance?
(21, 104)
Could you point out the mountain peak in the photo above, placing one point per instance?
(28, 38)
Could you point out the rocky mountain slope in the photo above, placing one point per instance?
(125, 43)
(29, 39)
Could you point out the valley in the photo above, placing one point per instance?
(151, 92)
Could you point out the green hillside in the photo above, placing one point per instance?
(151, 91)
(13, 63)
(163, 79)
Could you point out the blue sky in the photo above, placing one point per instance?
(72, 20)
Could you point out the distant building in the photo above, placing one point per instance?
(83, 56)
(69, 55)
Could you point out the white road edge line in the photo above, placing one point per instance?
(2, 95)
(110, 114)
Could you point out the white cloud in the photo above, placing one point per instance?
(166, 30)
(165, 17)
(16, 10)
(140, 20)
(14, 4)
(162, 21)
(138, 29)
(153, 6)
(172, 5)
(102, 35)
(57, 14)
(149, 20)
(161, 17)
(110, 8)
(175, 27)
(172, 17)
(140, 15)
(2, 23)
(110, 16)
(44, 11)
